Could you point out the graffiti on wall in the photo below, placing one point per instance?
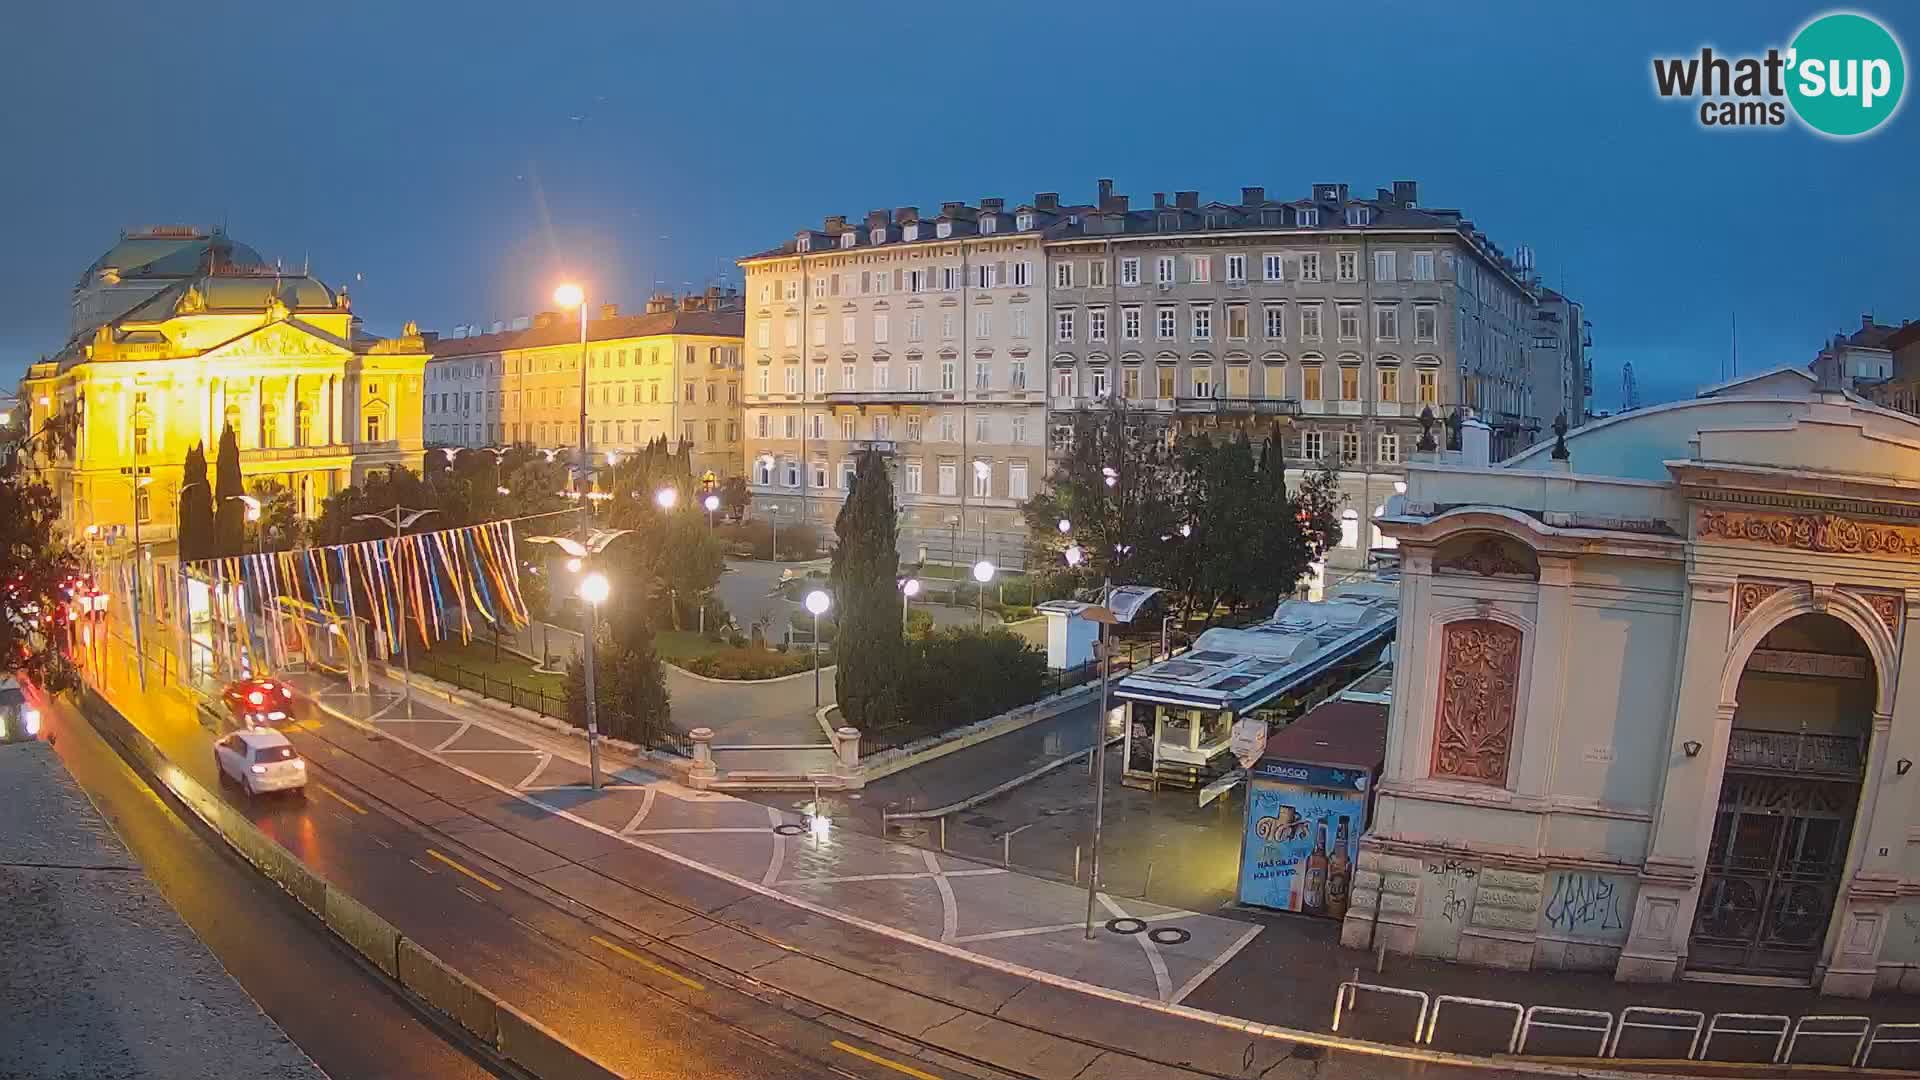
(1585, 904)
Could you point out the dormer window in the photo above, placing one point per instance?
(1023, 222)
(1271, 217)
(877, 236)
(1169, 222)
(805, 243)
(1309, 217)
(1359, 215)
(988, 224)
(943, 230)
(849, 238)
(1216, 221)
(911, 232)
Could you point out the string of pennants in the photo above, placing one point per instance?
(439, 582)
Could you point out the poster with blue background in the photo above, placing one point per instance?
(1282, 820)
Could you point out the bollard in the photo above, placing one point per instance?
(943, 832)
(1076, 864)
(1148, 887)
(1006, 849)
(703, 772)
(846, 748)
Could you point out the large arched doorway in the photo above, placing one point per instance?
(1795, 760)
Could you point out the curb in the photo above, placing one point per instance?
(746, 682)
(972, 801)
(900, 758)
(513, 1035)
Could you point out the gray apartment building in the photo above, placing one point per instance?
(1336, 319)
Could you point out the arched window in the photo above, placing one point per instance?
(269, 424)
(232, 419)
(307, 509)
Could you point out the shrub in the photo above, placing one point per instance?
(750, 663)
(1017, 612)
(959, 676)
(919, 623)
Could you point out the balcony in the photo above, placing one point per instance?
(879, 397)
(883, 447)
(1794, 752)
(1237, 406)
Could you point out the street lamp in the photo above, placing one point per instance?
(982, 573)
(1075, 554)
(909, 589)
(593, 589)
(712, 503)
(666, 498)
(567, 296)
(400, 517)
(817, 602)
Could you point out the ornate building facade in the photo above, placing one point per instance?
(1652, 712)
(178, 333)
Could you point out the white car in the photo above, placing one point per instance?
(260, 760)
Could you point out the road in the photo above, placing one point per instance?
(348, 1018)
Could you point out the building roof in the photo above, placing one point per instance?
(171, 251)
(1340, 734)
(565, 330)
(1245, 668)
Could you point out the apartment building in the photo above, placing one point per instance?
(673, 371)
(917, 336)
(1339, 317)
(1562, 366)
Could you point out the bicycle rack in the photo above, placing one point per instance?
(1513, 1037)
(1866, 1052)
(1348, 992)
(1605, 1030)
(1859, 1037)
(1768, 1022)
(1626, 1021)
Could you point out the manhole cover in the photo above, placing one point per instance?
(1168, 935)
(788, 828)
(980, 821)
(1127, 925)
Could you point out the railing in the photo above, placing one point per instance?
(1794, 752)
(879, 397)
(1254, 406)
(532, 698)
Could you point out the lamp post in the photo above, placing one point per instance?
(570, 295)
(1075, 555)
(253, 514)
(817, 602)
(139, 572)
(594, 590)
(909, 589)
(712, 503)
(400, 517)
(982, 573)
(666, 498)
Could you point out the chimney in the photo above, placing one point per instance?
(1252, 196)
(545, 319)
(1406, 192)
(1118, 204)
(1159, 200)
(992, 206)
(1047, 200)
(1106, 194)
(609, 311)
(878, 219)
(1866, 320)
(1187, 200)
(906, 215)
(659, 304)
(836, 224)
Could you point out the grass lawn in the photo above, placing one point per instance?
(476, 658)
(685, 644)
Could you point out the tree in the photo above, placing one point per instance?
(229, 513)
(735, 497)
(279, 517)
(34, 564)
(630, 686)
(1116, 485)
(196, 508)
(871, 652)
(958, 676)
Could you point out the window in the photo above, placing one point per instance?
(946, 326)
(761, 424)
(1349, 382)
(820, 473)
(882, 376)
(1386, 322)
(1130, 271)
(793, 332)
(1021, 322)
(1307, 218)
(848, 330)
(1023, 221)
(1022, 274)
(1310, 382)
(982, 427)
(1423, 266)
(1100, 384)
(790, 426)
(1349, 451)
(1383, 268)
(848, 378)
(913, 428)
(1272, 266)
(986, 275)
(1129, 324)
(982, 325)
(793, 382)
(1310, 266)
(1349, 321)
(792, 470)
(1276, 318)
(1203, 382)
(763, 334)
(1429, 387)
(1237, 322)
(373, 427)
(949, 478)
(1237, 269)
(846, 476)
(1164, 323)
(1346, 265)
(143, 503)
(1426, 322)
(1163, 381)
(1063, 383)
(847, 432)
(1349, 528)
(948, 377)
(913, 375)
(913, 478)
(1063, 326)
(1389, 384)
(989, 223)
(1309, 322)
(1017, 375)
(1163, 270)
(1313, 446)
(1097, 274)
(983, 374)
(1389, 448)
(1199, 268)
(1097, 324)
(1202, 323)
(817, 332)
(879, 329)
(1359, 215)
(690, 395)
(982, 479)
(1017, 480)
(791, 289)
(1130, 382)
(916, 281)
(819, 378)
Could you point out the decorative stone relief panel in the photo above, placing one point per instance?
(1487, 556)
(1508, 900)
(1826, 533)
(1887, 606)
(1479, 685)
(1748, 595)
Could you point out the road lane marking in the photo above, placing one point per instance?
(1216, 964)
(470, 894)
(342, 799)
(436, 855)
(646, 963)
(887, 1063)
(423, 867)
(379, 841)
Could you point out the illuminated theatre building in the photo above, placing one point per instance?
(1652, 710)
(179, 332)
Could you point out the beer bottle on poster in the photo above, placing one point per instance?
(1314, 895)
(1339, 874)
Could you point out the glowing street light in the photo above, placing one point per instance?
(569, 295)
(666, 497)
(817, 602)
(1075, 555)
(594, 588)
(1065, 526)
(712, 503)
(909, 589)
(983, 572)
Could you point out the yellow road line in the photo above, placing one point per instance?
(646, 963)
(349, 803)
(434, 854)
(884, 1062)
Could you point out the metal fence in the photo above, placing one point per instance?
(532, 698)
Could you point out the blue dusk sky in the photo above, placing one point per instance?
(451, 161)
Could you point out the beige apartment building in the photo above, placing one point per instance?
(673, 371)
(919, 337)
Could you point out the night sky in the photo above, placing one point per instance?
(452, 161)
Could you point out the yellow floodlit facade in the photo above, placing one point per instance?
(178, 333)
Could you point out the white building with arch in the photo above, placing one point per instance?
(1651, 713)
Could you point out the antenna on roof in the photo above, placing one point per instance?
(1734, 358)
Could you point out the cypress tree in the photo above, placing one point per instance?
(870, 649)
(229, 513)
(196, 507)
